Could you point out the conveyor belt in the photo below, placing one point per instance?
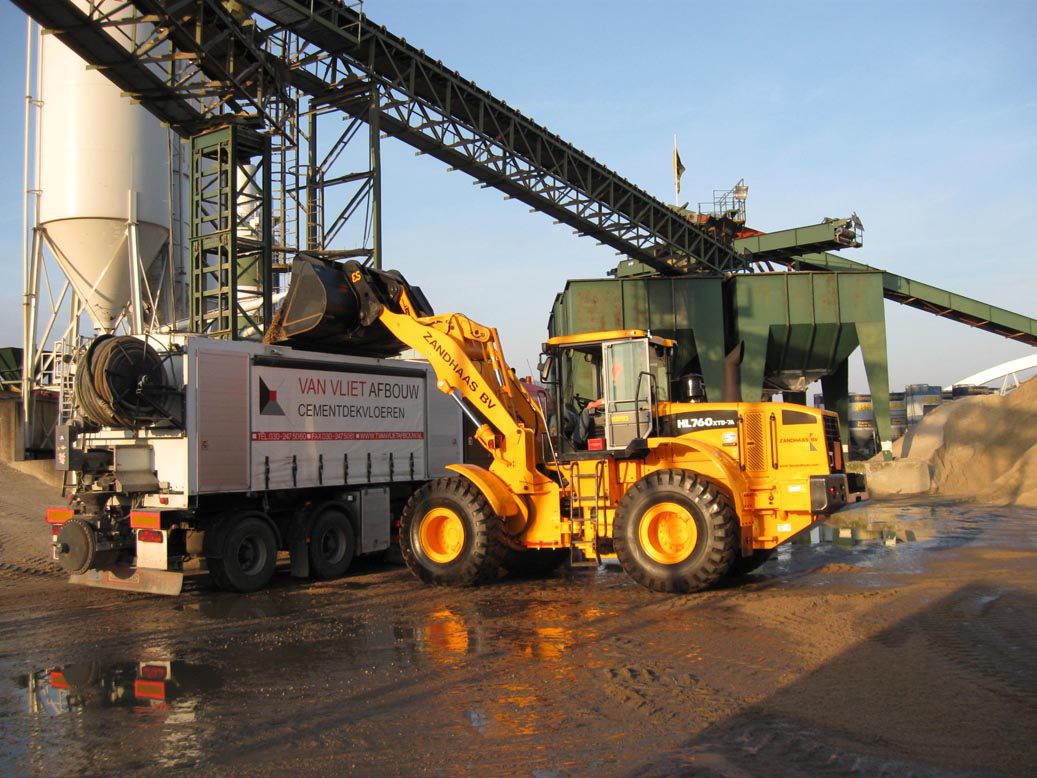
(91, 41)
(779, 246)
(423, 103)
(938, 302)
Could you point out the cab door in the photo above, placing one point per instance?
(628, 392)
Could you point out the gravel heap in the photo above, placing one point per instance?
(984, 447)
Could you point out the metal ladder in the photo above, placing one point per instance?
(578, 499)
(64, 379)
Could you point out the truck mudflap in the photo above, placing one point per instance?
(132, 579)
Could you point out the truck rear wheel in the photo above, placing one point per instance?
(332, 543)
(450, 536)
(675, 531)
(248, 554)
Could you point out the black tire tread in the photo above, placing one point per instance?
(217, 575)
(722, 530)
(318, 568)
(224, 577)
(485, 555)
(215, 565)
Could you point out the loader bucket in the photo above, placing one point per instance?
(335, 307)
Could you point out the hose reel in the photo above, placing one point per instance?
(121, 382)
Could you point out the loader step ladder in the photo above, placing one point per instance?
(589, 506)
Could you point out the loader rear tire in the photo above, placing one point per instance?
(675, 531)
(449, 535)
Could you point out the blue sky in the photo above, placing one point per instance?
(919, 116)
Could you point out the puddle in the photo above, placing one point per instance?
(85, 688)
(883, 539)
(107, 717)
(357, 668)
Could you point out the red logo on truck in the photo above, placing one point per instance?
(268, 401)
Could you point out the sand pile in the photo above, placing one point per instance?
(983, 446)
(925, 438)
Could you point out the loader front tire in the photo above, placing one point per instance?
(449, 535)
(675, 531)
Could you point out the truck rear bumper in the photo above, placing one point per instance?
(828, 493)
(139, 579)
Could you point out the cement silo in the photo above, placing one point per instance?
(104, 185)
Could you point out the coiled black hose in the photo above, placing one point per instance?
(120, 382)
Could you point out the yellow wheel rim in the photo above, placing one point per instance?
(668, 533)
(441, 535)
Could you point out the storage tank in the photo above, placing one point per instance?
(98, 150)
(862, 425)
(920, 399)
(897, 414)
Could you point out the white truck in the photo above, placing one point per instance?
(185, 449)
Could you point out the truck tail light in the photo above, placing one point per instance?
(150, 536)
(153, 673)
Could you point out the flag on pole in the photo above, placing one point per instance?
(678, 168)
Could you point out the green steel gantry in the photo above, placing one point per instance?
(258, 61)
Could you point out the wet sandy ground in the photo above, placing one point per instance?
(902, 641)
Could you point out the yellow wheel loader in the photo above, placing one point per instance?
(681, 492)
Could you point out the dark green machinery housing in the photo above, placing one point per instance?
(790, 329)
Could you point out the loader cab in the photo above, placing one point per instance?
(606, 386)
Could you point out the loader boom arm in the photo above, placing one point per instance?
(466, 356)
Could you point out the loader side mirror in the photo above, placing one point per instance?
(546, 367)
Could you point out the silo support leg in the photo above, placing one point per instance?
(872, 337)
(836, 389)
(754, 363)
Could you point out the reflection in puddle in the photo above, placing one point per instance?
(889, 537)
(153, 704)
(854, 536)
(506, 672)
(139, 686)
(446, 634)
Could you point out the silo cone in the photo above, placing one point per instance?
(103, 166)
